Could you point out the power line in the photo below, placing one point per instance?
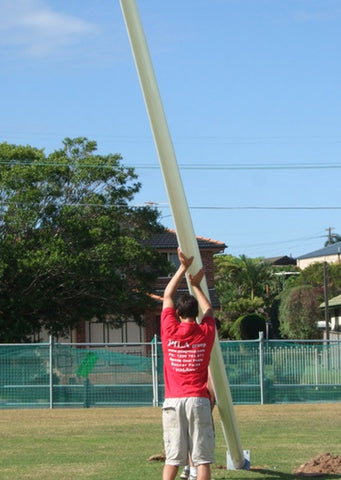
(210, 166)
(267, 208)
(284, 166)
(234, 139)
(166, 205)
(281, 242)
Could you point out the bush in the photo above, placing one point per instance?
(247, 327)
(299, 313)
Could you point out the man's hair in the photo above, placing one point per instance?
(187, 306)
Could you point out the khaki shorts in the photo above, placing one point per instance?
(188, 428)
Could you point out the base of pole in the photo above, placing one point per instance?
(246, 464)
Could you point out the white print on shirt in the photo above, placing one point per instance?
(184, 357)
(177, 344)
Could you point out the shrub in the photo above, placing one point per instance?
(247, 327)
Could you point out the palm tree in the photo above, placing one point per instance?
(255, 275)
(242, 284)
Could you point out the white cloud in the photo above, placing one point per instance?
(33, 28)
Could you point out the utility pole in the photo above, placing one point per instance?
(330, 238)
(326, 305)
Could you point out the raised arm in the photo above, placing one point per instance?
(203, 301)
(171, 288)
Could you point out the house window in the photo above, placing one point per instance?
(172, 257)
(129, 332)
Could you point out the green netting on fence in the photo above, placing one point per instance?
(62, 375)
(24, 373)
(243, 370)
(282, 372)
(78, 376)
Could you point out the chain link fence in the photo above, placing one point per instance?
(59, 375)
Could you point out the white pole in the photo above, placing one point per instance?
(261, 366)
(154, 372)
(180, 211)
(51, 371)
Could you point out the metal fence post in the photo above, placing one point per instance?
(316, 366)
(261, 366)
(51, 370)
(154, 373)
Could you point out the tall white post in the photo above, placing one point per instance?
(51, 371)
(180, 211)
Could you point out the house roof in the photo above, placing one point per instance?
(333, 302)
(284, 260)
(167, 240)
(332, 249)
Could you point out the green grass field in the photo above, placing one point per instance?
(115, 443)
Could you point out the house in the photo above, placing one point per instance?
(330, 254)
(334, 307)
(280, 261)
(166, 243)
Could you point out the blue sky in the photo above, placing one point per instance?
(251, 92)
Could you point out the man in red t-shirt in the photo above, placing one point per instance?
(187, 419)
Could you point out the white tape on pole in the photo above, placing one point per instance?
(180, 211)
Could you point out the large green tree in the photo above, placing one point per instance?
(70, 243)
(314, 276)
(299, 306)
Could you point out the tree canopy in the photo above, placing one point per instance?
(245, 286)
(299, 313)
(313, 276)
(252, 286)
(70, 241)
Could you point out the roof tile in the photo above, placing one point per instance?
(167, 240)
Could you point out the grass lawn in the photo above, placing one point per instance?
(115, 443)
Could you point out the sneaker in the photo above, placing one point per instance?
(185, 473)
(192, 477)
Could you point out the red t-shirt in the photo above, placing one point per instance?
(186, 352)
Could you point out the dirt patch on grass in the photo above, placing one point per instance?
(161, 457)
(322, 464)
